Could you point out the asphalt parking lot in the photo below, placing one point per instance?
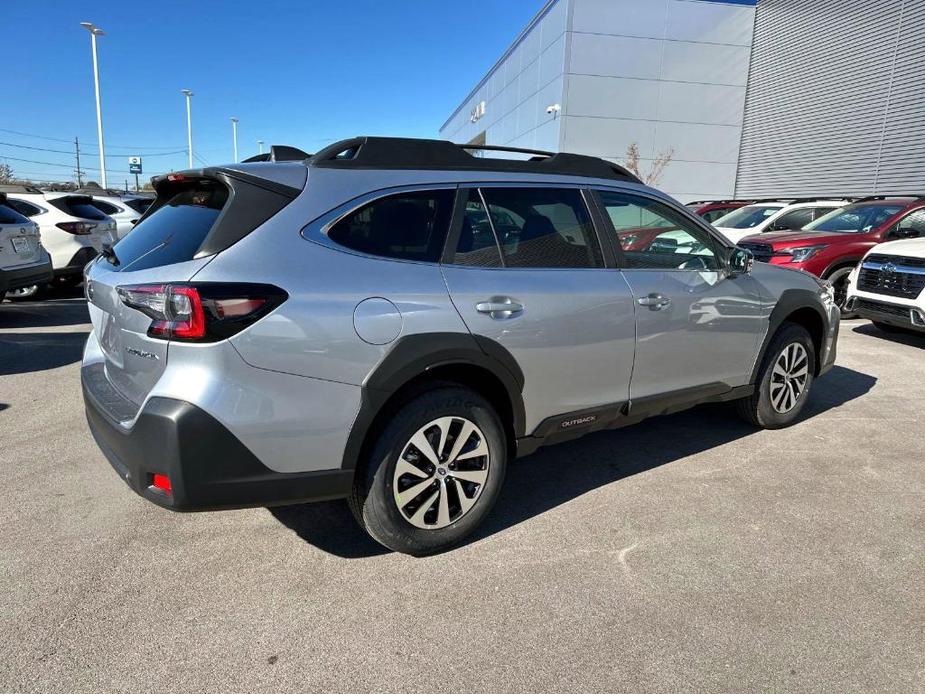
(687, 553)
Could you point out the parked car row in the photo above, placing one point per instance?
(871, 249)
(64, 232)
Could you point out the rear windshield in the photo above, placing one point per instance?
(854, 218)
(139, 204)
(747, 217)
(174, 231)
(10, 216)
(78, 207)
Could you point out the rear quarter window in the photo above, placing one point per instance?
(10, 216)
(174, 232)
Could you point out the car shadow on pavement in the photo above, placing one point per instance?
(903, 338)
(43, 314)
(28, 352)
(557, 474)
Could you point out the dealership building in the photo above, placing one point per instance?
(752, 98)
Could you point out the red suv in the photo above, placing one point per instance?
(832, 245)
(711, 210)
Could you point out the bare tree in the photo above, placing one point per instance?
(654, 174)
(6, 173)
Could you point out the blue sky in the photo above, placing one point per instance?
(300, 73)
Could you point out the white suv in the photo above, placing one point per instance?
(23, 261)
(125, 210)
(73, 230)
(888, 286)
(773, 215)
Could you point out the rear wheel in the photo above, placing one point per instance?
(839, 280)
(434, 473)
(784, 381)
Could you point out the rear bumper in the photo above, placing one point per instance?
(208, 467)
(25, 277)
(77, 263)
(900, 315)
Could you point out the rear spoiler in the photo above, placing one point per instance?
(279, 153)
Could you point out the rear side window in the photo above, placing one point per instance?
(543, 228)
(23, 207)
(140, 205)
(712, 215)
(174, 231)
(78, 207)
(10, 216)
(477, 246)
(406, 226)
(105, 207)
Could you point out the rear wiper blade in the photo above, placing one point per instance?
(109, 254)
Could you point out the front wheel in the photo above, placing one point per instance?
(839, 280)
(784, 381)
(434, 472)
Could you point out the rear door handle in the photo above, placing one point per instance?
(499, 307)
(655, 302)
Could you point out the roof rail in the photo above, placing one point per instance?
(413, 153)
(18, 188)
(279, 153)
(917, 196)
(744, 201)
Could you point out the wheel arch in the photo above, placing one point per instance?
(800, 306)
(419, 362)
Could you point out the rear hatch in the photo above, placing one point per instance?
(194, 217)
(19, 238)
(81, 207)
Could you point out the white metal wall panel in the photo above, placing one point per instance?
(836, 99)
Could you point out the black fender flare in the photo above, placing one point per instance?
(790, 301)
(413, 355)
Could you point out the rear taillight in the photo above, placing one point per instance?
(204, 312)
(76, 228)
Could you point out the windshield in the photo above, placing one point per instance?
(747, 217)
(854, 218)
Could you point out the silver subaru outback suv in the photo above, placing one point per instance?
(392, 321)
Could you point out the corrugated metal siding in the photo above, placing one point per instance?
(836, 99)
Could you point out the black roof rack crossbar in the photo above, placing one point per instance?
(413, 153)
(916, 196)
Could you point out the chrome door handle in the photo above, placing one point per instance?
(499, 307)
(655, 302)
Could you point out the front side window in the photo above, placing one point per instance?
(913, 224)
(747, 217)
(665, 241)
(854, 218)
(795, 219)
(406, 226)
(543, 228)
(712, 215)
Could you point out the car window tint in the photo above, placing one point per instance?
(795, 219)
(855, 218)
(713, 215)
(747, 217)
(23, 207)
(477, 246)
(666, 239)
(175, 231)
(10, 216)
(407, 226)
(543, 228)
(78, 206)
(105, 207)
(914, 221)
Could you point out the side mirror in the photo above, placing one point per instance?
(741, 262)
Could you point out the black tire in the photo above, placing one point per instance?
(374, 500)
(839, 280)
(758, 409)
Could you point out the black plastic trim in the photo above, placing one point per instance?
(414, 355)
(26, 277)
(790, 301)
(208, 467)
(572, 425)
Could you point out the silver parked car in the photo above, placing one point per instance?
(392, 321)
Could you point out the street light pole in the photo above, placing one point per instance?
(189, 125)
(260, 145)
(234, 136)
(94, 32)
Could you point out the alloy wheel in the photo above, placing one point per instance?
(789, 377)
(441, 472)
